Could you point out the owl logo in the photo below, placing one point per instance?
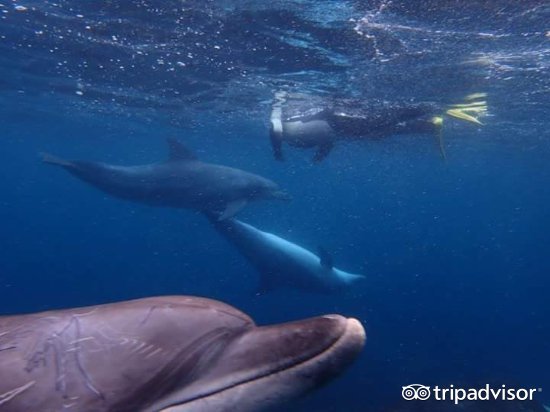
(415, 392)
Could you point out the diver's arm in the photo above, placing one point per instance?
(276, 144)
(276, 128)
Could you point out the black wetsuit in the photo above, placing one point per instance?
(379, 119)
(347, 119)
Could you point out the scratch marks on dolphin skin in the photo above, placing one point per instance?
(150, 312)
(70, 405)
(8, 345)
(140, 347)
(64, 346)
(87, 377)
(88, 313)
(77, 341)
(155, 352)
(6, 397)
(181, 367)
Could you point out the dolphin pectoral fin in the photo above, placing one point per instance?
(177, 151)
(48, 158)
(325, 259)
(232, 208)
(322, 152)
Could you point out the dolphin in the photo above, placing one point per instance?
(170, 354)
(283, 264)
(182, 181)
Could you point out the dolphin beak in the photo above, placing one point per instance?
(269, 365)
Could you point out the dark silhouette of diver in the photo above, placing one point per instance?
(307, 121)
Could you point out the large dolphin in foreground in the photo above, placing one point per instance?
(283, 264)
(171, 354)
(182, 181)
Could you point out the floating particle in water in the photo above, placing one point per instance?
(20, 8)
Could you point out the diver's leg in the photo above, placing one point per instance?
(322, 151)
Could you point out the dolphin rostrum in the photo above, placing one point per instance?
(182, 181)
(282, 263)
(170, 354)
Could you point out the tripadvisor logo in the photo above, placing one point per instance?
(423, 393)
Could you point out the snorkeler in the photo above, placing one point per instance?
(307, 121)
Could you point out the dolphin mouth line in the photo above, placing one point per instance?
(353, 334)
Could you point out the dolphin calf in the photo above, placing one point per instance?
(171, 354)
(182, 181)
(282, 263)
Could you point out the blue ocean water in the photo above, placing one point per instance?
(455, 254)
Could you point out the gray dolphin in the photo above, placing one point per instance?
(282, 263)
(182, 181)
(171, 354)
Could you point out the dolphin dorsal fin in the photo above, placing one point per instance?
(325, 259)
(177, 151)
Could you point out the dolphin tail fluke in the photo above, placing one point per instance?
(53, 160)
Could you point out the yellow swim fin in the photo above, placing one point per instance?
(475, 96)
(470, 110)
(474, 107)
(462, 115)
